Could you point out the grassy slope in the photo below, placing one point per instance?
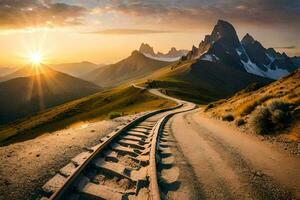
(135, 66)
(201, 82)
(75, 69)
(124, 99)
(244, 103)
(25, 96)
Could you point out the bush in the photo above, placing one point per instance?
(272, 117)
(113, 115)
(240, 122)
(261, 120)
(209, 106)
(279, 105)
(228, 117)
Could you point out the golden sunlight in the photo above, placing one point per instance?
(36, 58)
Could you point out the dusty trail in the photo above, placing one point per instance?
(231, 165)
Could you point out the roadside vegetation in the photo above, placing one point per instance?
(110, 104)
(272, 117)
(270, 110)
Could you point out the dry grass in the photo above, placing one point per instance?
(269, 101)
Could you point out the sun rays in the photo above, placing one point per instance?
(36, 58)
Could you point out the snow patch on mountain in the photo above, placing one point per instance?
(239, 51)
(166, 59)
(276, 74)
(271, 58)
(210, 57)
(252, 68)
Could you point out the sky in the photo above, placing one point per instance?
(106, 31)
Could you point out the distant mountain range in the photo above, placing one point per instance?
(24, 72)
(26, 95)
(76, 69)
(135, 66)
(223, 46)
(172, 55)
(6, 70)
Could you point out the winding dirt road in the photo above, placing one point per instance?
(216, 161)
(228, 164)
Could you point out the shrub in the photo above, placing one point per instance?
(228, 117)
(272, 117)
(279, 105)
(263, 99)
(261, 120)
(113, 115)
(240, 122)
(209, 106)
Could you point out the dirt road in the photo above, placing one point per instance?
(228, 164)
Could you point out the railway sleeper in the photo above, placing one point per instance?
(121, 170)
(132, 144)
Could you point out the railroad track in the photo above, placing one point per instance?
(121, 166)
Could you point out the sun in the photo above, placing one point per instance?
(36, 58)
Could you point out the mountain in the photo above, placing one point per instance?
(296, 61)
(75, 69)
(24, 72)
(135, 66)
(223, 46)
(201, 81)
(147, 49)
(6, 70)
(172, 55)
(23, 96)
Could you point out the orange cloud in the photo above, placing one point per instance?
(129, 31)
(16, 14)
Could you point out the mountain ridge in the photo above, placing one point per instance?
(75, 68)
(172, 55)
(223, 46)
(24, 96)
(134, 66)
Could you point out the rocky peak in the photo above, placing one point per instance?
(247, 39)
(225, 31)
(172, 50)
(146, 49)
(284, 55)
(272, 52)
(136, 53)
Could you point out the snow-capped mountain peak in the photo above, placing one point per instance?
(223, 46)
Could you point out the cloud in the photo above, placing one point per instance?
(286, 47)
(190, 13)
(17, 14)
(129, 31)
